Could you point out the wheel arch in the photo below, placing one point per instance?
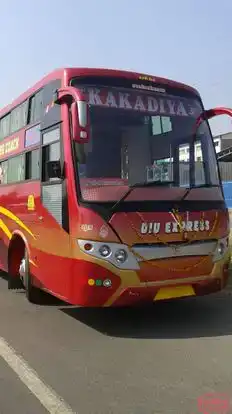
(17, 246)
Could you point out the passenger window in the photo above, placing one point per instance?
(16, 169)
(35, 107)
(18, 117)
(3, 172)
(32, 165)
(5, 126)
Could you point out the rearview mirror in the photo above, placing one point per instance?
(211, 113)
(79, 111)
(80, 128)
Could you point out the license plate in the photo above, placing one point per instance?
(174, 292)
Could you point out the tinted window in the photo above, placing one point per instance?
(5, 126)
(16, 169)
(33, 165)
(51, 136)
(3, 172)
(18, 118)
(35, 107)
(50, 153)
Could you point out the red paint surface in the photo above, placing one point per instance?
(59, 267)
(66, 74)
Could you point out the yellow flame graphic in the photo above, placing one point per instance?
(14, 218)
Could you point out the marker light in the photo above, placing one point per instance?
(221, 249)
(121, 255)
(104, 250)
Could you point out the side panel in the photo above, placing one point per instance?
(53, 251)
(37, 210)
(15, 215)
(48, 242)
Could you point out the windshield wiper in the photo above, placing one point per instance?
(137, 185)
(151, 183)
(196, 186)
(204, 185)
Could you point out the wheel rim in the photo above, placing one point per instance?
(22, 270)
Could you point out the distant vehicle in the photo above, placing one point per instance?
(98, 206)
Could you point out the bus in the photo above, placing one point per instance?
(104, 199)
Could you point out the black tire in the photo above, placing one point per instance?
(33, 294)
(14, 282)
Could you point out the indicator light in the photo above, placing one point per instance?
(98, 282)
(88, 247)
(91, 282)
(104, 250)
(121, 255)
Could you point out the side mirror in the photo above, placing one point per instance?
(80, 121)
(211, 113)
(53, 169)
(79, 111)
(208, 114)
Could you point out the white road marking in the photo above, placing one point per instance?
(47, 397)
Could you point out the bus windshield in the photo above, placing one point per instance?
(141, 137)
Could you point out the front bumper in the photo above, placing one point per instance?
(128, 290)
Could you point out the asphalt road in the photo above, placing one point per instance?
(147, 361)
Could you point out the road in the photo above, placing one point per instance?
(147, 361)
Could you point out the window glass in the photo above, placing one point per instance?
(18, 117)
(147, 136)
(36, 107)
(184, 165)
(54, 152)
(3, 172)
(33, 165)
(32, 136)
(16, 169)
(51, 136)
(5, 126)
(160, 124)
(198, 164)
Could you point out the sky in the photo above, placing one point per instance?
(184, 40)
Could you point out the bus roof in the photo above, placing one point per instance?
(65, 74)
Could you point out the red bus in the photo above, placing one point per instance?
(110, 190)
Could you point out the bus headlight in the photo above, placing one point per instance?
(104, 250)
(121, 255)
(115, 253)
(221, 249)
